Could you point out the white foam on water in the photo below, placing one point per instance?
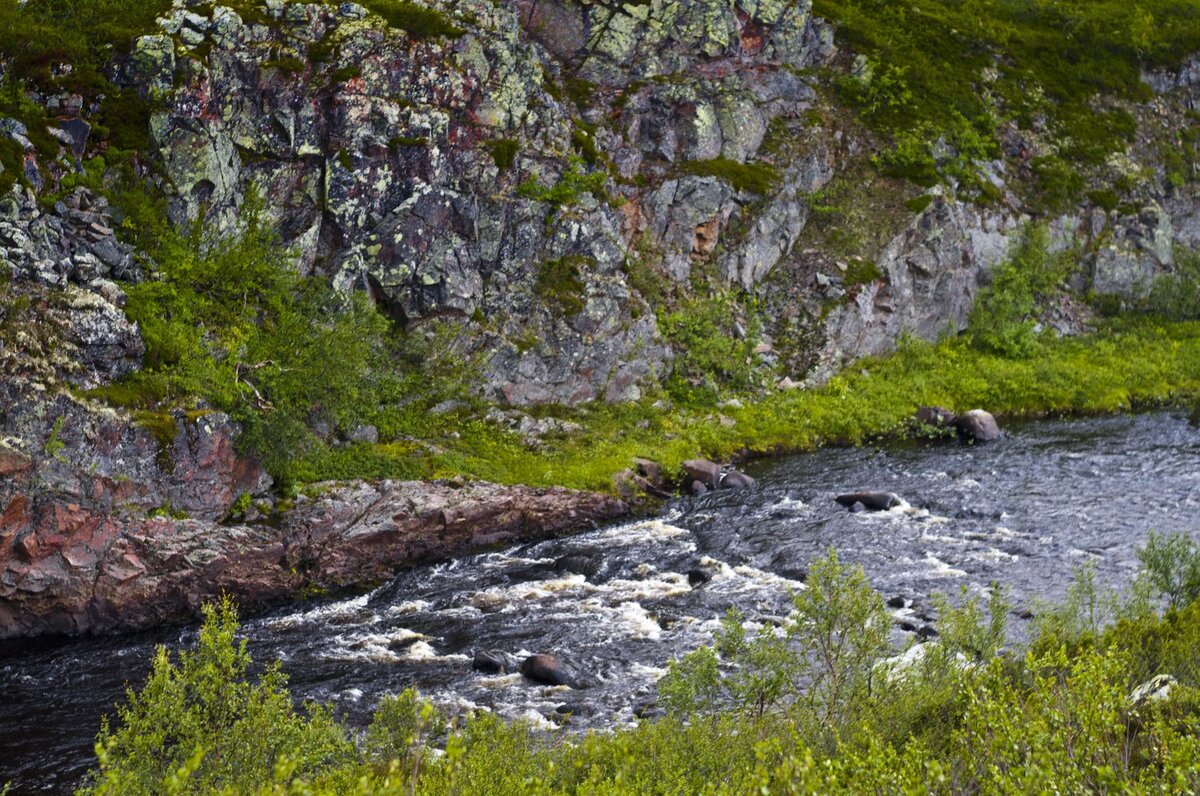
(409, 607)
(637, 622)
(535, 720)
(337, 610)
(646, 672)
(424, 651)
(769, 580)
(941, 569)
(993, 554)
(933, 537)
(643, 530)
(500, 680)
(788, 505)
(663, 584)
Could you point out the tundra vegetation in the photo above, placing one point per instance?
(818, 704)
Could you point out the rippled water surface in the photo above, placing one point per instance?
(616, 603)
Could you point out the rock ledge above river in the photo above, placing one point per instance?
(84, 570)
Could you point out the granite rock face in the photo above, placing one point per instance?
(409, 168)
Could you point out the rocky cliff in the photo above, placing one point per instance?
(547, 180)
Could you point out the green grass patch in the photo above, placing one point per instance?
(757, 178)
(560, 283)
(1129, 364)
(504, 152)
(417, 20)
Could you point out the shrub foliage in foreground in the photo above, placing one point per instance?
(812, 706)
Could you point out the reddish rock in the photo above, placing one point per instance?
(66, 568)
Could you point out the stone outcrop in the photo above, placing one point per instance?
(68, 567)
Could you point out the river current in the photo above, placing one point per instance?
(616, 603)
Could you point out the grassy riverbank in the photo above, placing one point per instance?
(1127, 364)
(1104, 699)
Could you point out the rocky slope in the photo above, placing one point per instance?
(542, 178)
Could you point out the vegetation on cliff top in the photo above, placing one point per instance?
(815, 706)
(953, 71)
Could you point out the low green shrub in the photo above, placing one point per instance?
(203, 725)
(560, 283)
(1176, 296)
(711, 357)
(231, 322)
(815, 705)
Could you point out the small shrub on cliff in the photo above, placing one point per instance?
(1003, 318)
(712, 353)
(1176, 296)
(758, 178)
(560, 283)
(230, 320)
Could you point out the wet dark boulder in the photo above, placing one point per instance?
(494, 662)
(654, 479)
(895, 602)
(697, 488)
(548, 670)
(702, 470)
(735, 480)
(977, 426)
(871, 501)
(697, 576)
(579, 564)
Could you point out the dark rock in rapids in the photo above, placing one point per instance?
(548, 670)
(494, 662)
(895, 602)
(872, 501)
(735, 480)
(697, 576)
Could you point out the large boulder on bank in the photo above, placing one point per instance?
(977, 426)
(702, 470)
(547, 670)
(873, 501)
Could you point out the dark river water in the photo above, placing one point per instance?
(616, 602)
